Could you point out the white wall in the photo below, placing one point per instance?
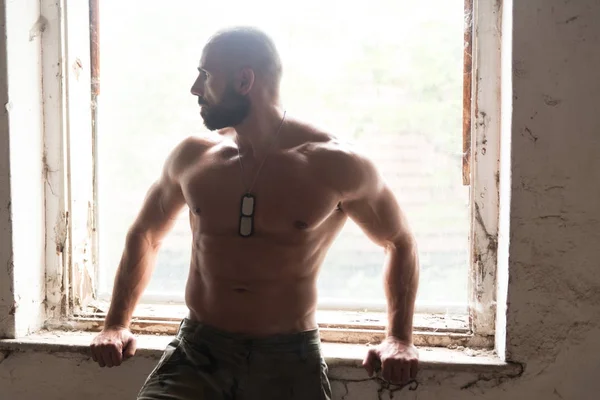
(553, 320)
(22, 191)
(6, 283)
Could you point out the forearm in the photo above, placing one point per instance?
(401, 284)
(132, 278)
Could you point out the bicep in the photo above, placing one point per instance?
(379, 215)
(165, 200)
(365, 196)
(162, 204)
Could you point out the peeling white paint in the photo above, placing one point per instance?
(38, 28)
(23, 294)
(485, 165)
(78, 153)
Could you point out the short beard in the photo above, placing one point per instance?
(231, 111)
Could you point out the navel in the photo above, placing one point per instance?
(197, 210)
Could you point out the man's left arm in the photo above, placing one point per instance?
(373, 206)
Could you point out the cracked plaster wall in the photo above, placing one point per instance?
(553, 311)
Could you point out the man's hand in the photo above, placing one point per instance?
(112, 346)
(399, 361)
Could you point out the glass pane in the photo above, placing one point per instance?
(386, 76)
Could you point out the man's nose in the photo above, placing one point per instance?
(197, 88)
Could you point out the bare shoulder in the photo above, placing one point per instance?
(340, 163)
(188, 152)
(314, 141)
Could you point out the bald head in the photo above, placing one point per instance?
(241, 47)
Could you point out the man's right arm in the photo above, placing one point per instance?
(163, 202)
(156, 217)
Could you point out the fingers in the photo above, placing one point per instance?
(414, 367)
(387, 370)
(370, 361)
(108, 359)
(116, 356)
(399, 371)
(106, 356)
(112, 346)
(97, 355)
(130, 348)
(398, 360)
(107, 353)
(403, 376)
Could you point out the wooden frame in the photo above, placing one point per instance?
(71, 82)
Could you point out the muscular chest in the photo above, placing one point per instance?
(288, 195)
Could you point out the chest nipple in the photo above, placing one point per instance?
(300, 225)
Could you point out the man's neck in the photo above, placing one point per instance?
(256, 134)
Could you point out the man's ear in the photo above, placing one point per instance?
(245, 80)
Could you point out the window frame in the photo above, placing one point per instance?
(71, 225)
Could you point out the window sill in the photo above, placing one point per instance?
(352, 327)
(336, 354)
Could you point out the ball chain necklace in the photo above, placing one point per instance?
(248, 203)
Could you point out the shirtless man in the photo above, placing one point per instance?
(265, 200)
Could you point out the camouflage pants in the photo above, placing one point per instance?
(204, 363)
